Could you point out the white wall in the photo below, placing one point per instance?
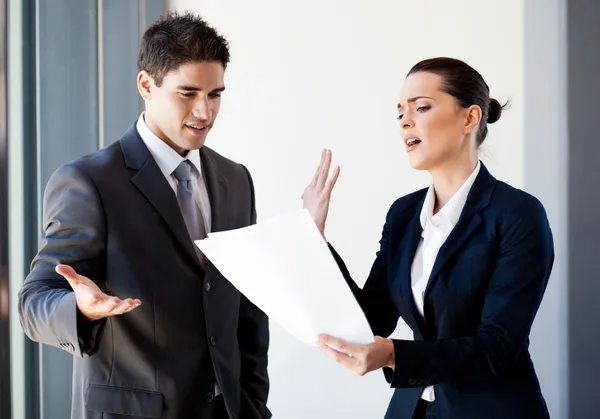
(313, 74)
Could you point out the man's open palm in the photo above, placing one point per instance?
(91, 301)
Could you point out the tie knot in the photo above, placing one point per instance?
(183, 173)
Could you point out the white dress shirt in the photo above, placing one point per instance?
(436, 229)
(168, 160)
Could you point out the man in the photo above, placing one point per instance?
(156, 330)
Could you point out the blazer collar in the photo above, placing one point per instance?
(151, 182)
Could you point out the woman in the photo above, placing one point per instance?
(464, 262)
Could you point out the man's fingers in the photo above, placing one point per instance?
(125, 306)
(130, 308)
(101, 306)
(105, 306)
(68, 273)
(128, 305)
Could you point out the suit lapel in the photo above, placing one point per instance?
(217, 186)
(468, 222)
(152, 184)
(409, 248)
(478, 198)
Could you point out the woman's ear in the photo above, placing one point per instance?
(473, 119)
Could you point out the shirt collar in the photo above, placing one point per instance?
(453, 208)
(166, 158)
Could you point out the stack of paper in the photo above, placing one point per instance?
(285, 268)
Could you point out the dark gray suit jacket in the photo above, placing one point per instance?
(114, 218)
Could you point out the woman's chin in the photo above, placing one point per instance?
(417, 163)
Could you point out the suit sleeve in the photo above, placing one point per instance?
(514, 294)
(374, 297)
(73, 234)
(253, 337)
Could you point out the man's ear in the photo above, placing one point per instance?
(145, 83)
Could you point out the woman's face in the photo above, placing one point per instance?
(434, 128)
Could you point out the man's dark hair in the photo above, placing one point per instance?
(176, 39)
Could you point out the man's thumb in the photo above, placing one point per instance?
(68, 272)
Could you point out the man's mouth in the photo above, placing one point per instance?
(197, 129)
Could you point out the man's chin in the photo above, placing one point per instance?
(196, 142)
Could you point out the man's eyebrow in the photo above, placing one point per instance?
(191, 88)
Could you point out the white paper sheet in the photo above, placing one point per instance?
(284, 267)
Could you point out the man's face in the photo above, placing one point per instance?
(184, 108)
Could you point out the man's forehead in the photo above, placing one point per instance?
(204, 75)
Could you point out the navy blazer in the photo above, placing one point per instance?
(484, 291)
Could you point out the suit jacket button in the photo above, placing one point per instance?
(213, 341)
(207, 286)
(209, 397)
(412, 382)
(426, 381)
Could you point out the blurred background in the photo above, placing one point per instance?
(306, 75)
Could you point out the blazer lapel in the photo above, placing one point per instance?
(409, 249)
(217, 186)
(152, 184)
(479, 198)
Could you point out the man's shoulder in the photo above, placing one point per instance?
(224, 165)
(100, 164)
(217, 157)
(100, 160)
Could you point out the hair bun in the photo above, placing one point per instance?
(494, 112)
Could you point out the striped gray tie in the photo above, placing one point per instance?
(190, 211)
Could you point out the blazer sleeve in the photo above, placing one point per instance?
(73, 234)
(253, 337)
(514, 294)
(374, 297)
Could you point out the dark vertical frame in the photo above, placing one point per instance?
(583, 17)
(30, 191)
(5, 394)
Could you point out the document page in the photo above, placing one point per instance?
(285, 268)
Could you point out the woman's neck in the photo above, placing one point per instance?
(448, 180)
